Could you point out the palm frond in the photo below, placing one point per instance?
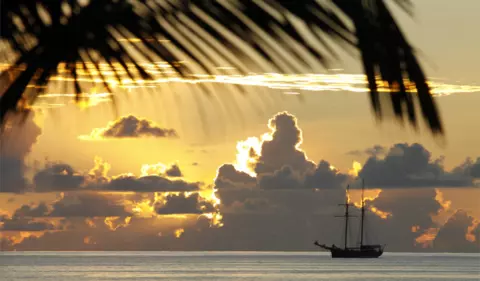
(45, 35)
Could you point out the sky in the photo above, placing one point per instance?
(264, 169)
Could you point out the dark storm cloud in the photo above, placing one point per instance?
(409, 166)
(174, 171)
(57, 177)
(16, 141)
(182, 204)
(133, 127)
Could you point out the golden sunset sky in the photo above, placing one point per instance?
(336, 124)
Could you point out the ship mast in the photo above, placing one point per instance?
(363, 214)
(346, 216)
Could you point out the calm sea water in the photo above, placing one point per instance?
(198, 266)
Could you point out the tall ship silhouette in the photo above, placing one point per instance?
(360, 251)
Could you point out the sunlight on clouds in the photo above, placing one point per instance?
(470, 236)
(356, 168)
(247, 151)
(153, 169)
(369, 195)
(113, 223)
(426, 239)
(162, 73)
(178, 232)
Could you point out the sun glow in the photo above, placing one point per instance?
(247, 153)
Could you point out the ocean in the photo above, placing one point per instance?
(199, 266)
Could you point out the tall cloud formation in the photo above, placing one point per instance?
(277, 162)
(130, 127)
(16, 141)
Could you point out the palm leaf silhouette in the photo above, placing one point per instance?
(43, 35)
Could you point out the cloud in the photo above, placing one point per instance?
(147, 184)
(409, 166)
(130, 127)
(469, 168)
(185, 204)
(88, 205)
(453, 235)
(174, 171)
(17, 224)
(153, 178)
(272, 198)
(285, 178)
(277, 162)
(376, 150)
(229, 177)
(16, 141)
(41, 210)
(325, 176)
(57, 177)
(283, 147)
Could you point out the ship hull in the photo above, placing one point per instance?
(350, 253)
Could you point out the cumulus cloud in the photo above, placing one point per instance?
(57, 177)
(174, 171)
(153, 178)
(277, 162)
(276, 199)
(409, 166)
(88, 205)
(131, 127)
(185, 204)
(283, 148)
(85, 204)
(469, 168)
(16, 141)
(229, 177)
(147, 184)
(41, 210)
(454, 235)
(30, 225)
(325, 176)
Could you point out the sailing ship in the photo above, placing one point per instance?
(361, 251)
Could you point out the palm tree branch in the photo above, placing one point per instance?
(250, 29)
